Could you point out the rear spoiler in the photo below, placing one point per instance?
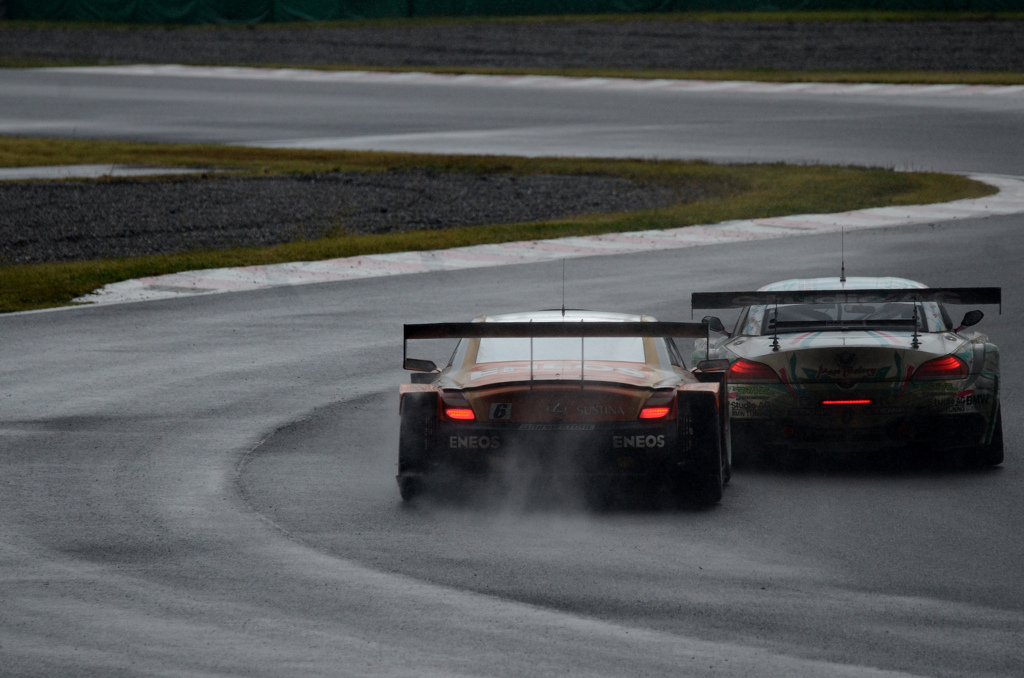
(517, 330)
(942, 295)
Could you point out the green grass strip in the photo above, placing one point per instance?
(733, 192)
(810, 16)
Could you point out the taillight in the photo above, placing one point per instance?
(748, 371)
(946, 367)
(454, 406)
(661, 405)
(861, 401)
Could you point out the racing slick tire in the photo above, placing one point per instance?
(416, 442)
(707, 468)
(991, 454)
(708, 485)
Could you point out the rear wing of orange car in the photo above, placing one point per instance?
(942, 295)
(572, 329)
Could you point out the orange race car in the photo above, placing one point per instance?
(602, 397)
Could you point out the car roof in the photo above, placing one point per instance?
(557, 315)
(851, 283)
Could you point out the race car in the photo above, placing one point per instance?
(857, 365)
(588, 396)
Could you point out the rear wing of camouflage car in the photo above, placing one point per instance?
(942, 295)
(528, 330)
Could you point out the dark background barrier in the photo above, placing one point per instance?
(258, 11)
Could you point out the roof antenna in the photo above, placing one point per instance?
(563, 287)
(915, 341)
(773, 324)
(842, 250)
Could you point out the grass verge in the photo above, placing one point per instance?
(733, 192)
(812, 16)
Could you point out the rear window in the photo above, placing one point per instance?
(892, 316)
(623, 349)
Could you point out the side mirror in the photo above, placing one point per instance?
(714, 323)
(420, 365)
(970, 318)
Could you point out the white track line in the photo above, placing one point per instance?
(88, 172)
(549, 81)
(1009, 200)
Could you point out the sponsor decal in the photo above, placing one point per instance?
(501, 411)
(845, 359)
(964, 401)
(842, 373)
(556, 427)
(933, 386)
(751, 390)
(474, 442)
(638, 442)
(747, 408)
(557, 408)
(600, 410)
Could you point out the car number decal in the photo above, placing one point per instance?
(501, 411)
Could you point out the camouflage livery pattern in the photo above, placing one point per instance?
(859, 388)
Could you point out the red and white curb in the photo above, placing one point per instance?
(1009, 200)
(550, 81)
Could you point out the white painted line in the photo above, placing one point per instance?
(1009, 200)
(88, 172)
(547, 81)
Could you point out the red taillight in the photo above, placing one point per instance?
(864, 401)
(946, 367)
(748, 371)
(660, 405)
(453, 406)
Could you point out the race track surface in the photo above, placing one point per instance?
(204, 486)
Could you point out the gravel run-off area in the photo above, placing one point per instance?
(980, 45)
(78, 220)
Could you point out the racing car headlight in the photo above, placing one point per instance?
(747, 371)
(946, 367)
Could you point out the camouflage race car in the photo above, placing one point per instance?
(856, 365)
(599, 397)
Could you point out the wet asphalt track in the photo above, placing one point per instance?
(203, 486)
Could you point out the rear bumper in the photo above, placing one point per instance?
(935, 433)
(619, 449)
(937, 415)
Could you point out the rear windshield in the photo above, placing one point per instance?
(623, 349)
(886, 316)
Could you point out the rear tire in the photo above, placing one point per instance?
(991, 454)
(416, 442)
(707, 467)
(409, 487)
(708, 485)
